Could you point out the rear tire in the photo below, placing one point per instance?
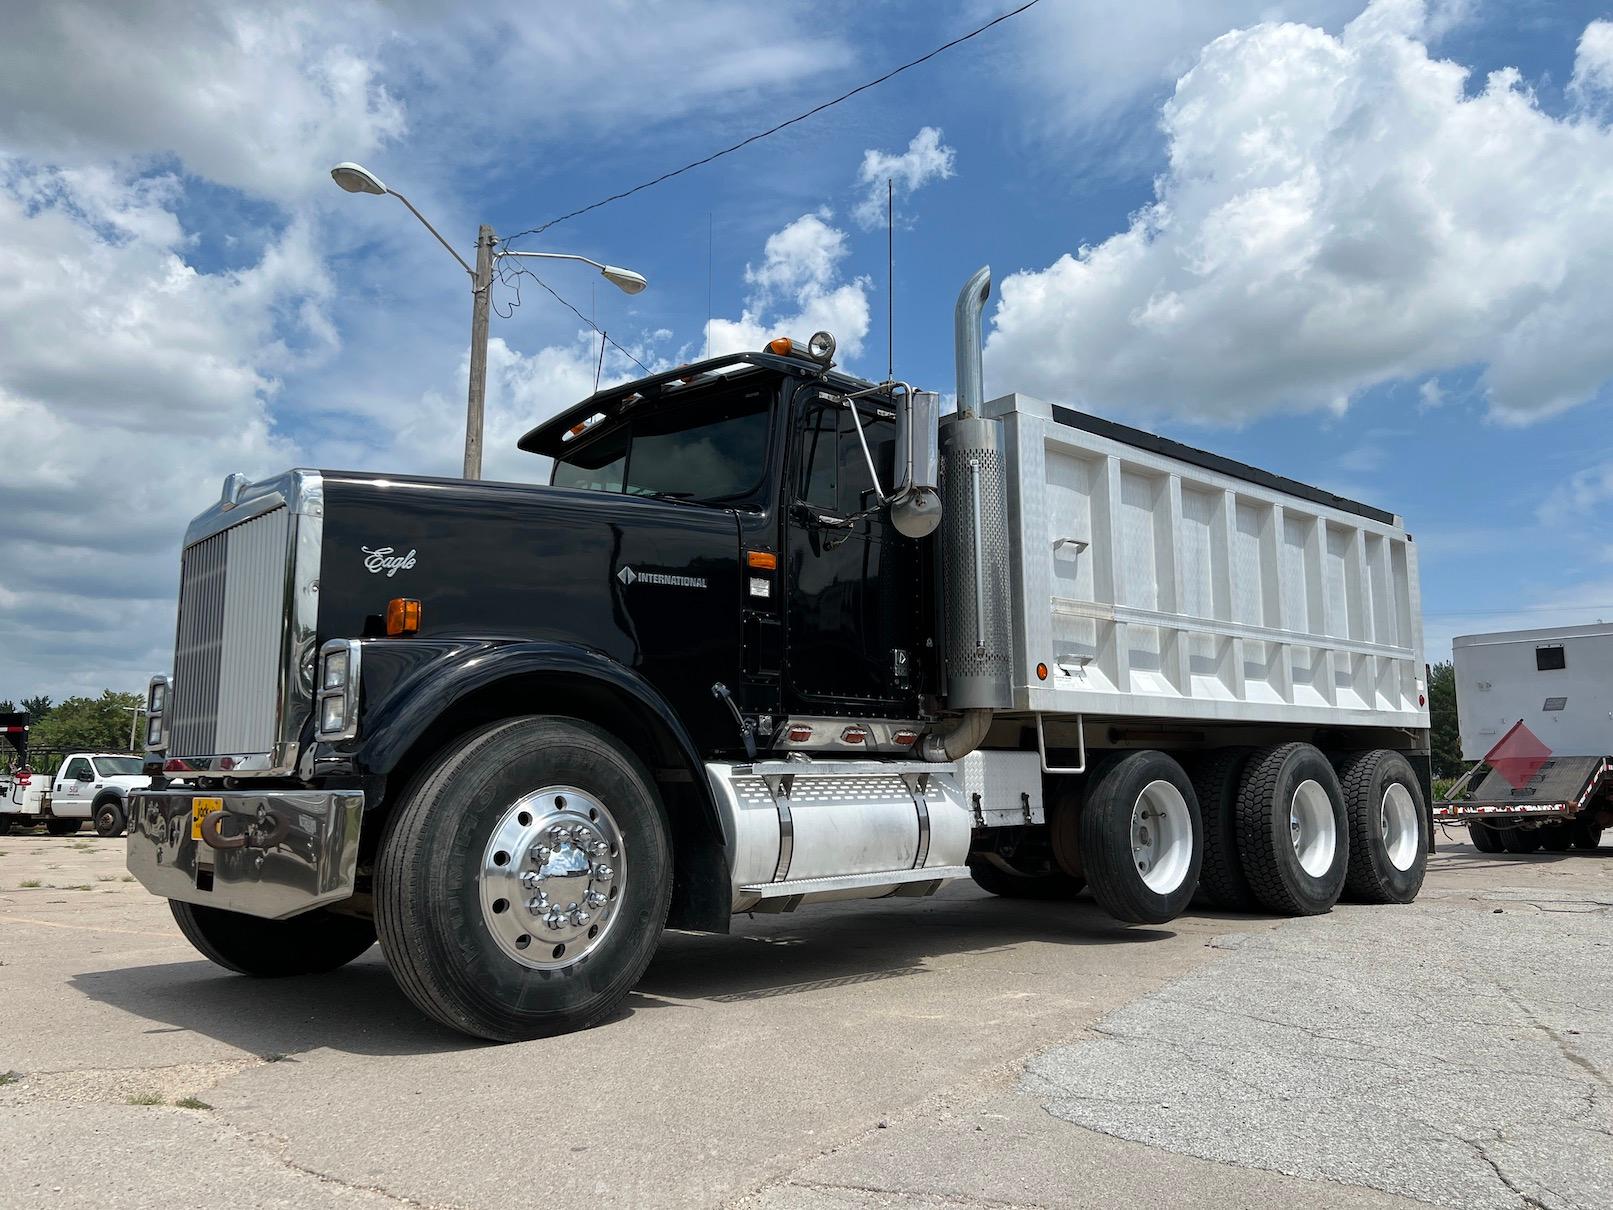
(506, 817)
(63, 827)
(313, 943)
(1388, 827)
(1521, 840)
(1142, 840)
(1587, 835)
(1485, 838)
(994, 874)
(1215, 781)
(1293, 832)
(109, 818)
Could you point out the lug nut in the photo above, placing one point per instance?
(600, 848)
(540, 853)
(554, 921)
(580, 918)
(557, 834)
(603, 872)
(594, 899)
(530, 880)
(538, 904)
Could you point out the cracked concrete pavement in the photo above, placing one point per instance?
(956, 1052)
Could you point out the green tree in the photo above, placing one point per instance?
(96, 723)
(38, 707)
(7, 706)
(1446, 737)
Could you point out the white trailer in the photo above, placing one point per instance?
(1536, 711)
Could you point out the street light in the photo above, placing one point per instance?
(355, 178)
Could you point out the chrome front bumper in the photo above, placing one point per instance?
(270, 853)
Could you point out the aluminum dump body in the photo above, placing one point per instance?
(1159, 581)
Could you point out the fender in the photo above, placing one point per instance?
(407, 686)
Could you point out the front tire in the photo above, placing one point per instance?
(524, 880)
(109, 818)
(1142, 840)
(995, 874)
(313, 943)
(1388, 827)
(1293, 834)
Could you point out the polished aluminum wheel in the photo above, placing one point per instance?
(1397, 816)
(1161, 837)
(552, 876)
(1313, 828)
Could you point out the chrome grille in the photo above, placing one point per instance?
(232, 609)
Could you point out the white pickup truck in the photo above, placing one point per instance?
(64, 792)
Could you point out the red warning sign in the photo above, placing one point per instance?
(1518, 755)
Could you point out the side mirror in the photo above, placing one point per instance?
(915, 501)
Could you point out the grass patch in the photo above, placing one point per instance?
(192, 1103)
(30, 883)
(8, 1077)
(145, 1098)
(274, 1058)
(106, 878)
(127, 878)
(82, 886)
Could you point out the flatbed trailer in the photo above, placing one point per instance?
(1536, 711)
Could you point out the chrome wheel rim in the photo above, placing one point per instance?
(1161, 837)
(553, 872)
(1312, 828)
(1397, 819)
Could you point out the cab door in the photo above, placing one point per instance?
(74, 787)
(851, 581)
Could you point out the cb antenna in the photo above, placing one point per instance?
(890, 278)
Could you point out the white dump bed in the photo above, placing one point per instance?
(1156, 580)
(1558, 681)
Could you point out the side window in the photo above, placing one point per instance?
(78, 769)
(820, 457)
(856, 488)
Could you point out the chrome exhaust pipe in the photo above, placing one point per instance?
(966, 320)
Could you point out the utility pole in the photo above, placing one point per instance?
(481, 294)
(134, 718)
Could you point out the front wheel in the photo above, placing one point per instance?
(1142, 840)
(524, 880)
(109, 819)
(995, 874)
(313, 943)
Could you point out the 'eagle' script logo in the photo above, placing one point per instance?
(382, 559)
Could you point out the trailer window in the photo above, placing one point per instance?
(1550, 659)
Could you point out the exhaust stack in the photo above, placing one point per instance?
(966, 318)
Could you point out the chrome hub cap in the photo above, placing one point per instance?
(1397, 817)
(1312, 828)
(552, 876)
(1161, 837)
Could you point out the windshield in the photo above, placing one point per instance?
(118, 766)
(711, 448)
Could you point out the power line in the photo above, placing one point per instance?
(510, 276)
(1503, 610)
(772, 130)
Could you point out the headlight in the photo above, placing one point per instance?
(156, 715)
(337, 716)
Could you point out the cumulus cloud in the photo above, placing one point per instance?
(1592, 81)
(1337, 211)
(926, 159)
(796, 290)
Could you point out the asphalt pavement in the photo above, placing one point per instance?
(961, 1051)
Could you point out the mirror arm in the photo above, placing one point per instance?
(887, 387)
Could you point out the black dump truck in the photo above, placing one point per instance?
(771, 636)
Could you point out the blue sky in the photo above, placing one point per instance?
(1320, 236)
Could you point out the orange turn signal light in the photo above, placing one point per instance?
(761, 560)
(402, 616)
(1041, 672)
(782, 345)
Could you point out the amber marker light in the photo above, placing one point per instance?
(402, 616)
(1041, 672)
(782, 345)
(761, 560)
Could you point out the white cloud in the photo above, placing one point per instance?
(1573, 502)
(797, 290)
(1337, 211)
(926, 159)
(130, 384)
(1430, 394)
(1593, 63)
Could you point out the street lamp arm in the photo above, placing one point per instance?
(556, 256)
(426, 223)
(625, 280)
